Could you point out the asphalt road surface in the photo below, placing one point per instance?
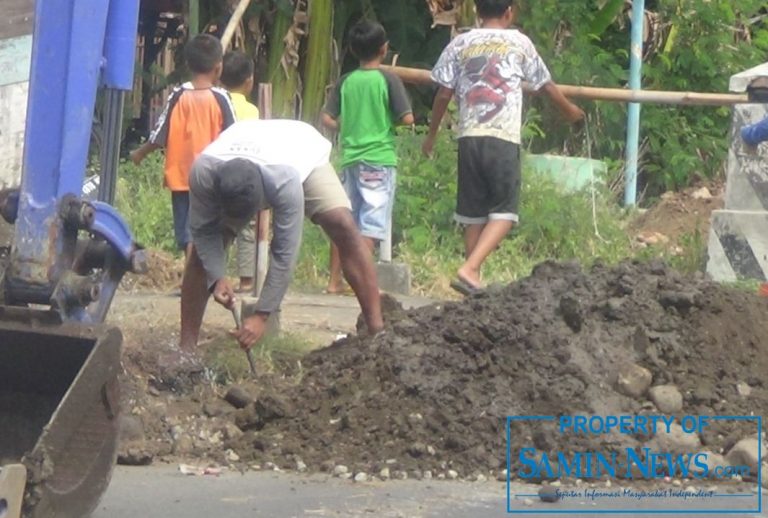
(163, 492)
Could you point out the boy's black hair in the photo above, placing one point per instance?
(238, 68)
(492, 8)
(366, 39)
(203, 53)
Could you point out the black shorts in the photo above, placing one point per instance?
(489, 180)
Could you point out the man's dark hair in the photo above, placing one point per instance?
(203, 53)
(240, 188)
(366, 39)
(492, 8)
(238, 68)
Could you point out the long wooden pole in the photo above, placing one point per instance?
(263, 217)
(234, 21)
(421, 76)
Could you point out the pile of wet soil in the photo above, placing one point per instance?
(433, 392)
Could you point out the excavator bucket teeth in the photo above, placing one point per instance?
(59, 402)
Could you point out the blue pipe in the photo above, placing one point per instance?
(633, 112)
(120, 44)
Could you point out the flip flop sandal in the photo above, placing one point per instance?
(464, 287)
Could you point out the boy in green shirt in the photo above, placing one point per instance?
(365, 106)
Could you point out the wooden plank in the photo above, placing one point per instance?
(263, 218)
(17, 19)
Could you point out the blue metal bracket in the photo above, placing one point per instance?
(110, 225)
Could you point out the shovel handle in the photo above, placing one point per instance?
(238, 316)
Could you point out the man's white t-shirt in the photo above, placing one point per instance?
(287, 143)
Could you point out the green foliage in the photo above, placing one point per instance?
(426, 192)
(554, 224)
(145, 204)
(411, 37)
(697, 46)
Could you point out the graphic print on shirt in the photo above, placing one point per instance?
(486, 68)
(489, 92)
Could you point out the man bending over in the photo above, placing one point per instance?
(255, 165)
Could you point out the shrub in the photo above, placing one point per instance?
(145, 204)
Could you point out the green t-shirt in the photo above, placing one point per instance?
(368, 103)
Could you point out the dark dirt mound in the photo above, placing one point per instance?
(433, 392)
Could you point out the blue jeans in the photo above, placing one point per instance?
(371, 190)
(180, 205)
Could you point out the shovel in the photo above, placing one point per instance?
(238, 316)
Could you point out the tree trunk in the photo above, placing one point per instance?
(317, 63)
(283, 65)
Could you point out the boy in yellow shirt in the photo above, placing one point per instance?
(237, 78)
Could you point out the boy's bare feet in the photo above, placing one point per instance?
(338, 289)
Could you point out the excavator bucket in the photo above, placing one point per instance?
(59, 402)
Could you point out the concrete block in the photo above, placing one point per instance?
(740, 82)
(738, 241)
(394, 278)
(747, 176)
(248, 305)
(738, 246)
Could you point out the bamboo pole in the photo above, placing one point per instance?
(264, 216)
(421, 76)
(234, 21)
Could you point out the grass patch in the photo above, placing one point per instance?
(230, 365)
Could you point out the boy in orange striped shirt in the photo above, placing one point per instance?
(195, 114)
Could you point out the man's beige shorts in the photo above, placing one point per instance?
(323, 192)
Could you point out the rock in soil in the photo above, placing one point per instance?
(131, 429)
(666, 398)
(675, 441)
(135, 455)
(745, 453)
(634, 380)
(548, 494)
(238, 397)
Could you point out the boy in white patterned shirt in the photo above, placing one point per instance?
(484, 69)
